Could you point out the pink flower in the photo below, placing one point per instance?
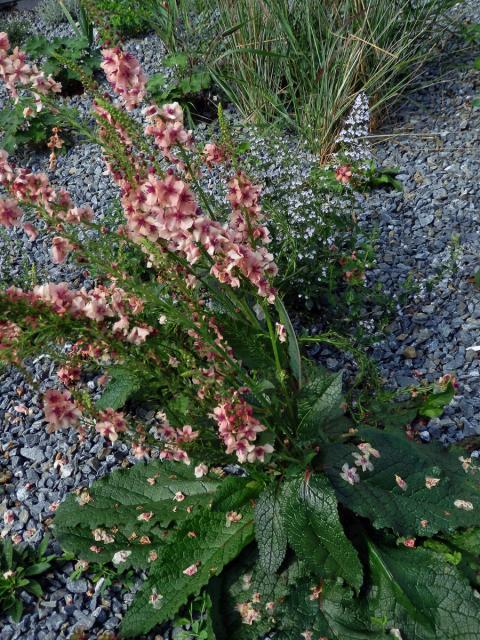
(349, 474)
(409, 542)
(367, 448)
(343, 174)
(401, 482)
(191, 570)
(213, 154)
(281, 332)
(187, 434)
(59, 409)
(362, 460)
(172, 111)
(138, 335)
(145, 517)
(31, 231)
(124, 73)
(61, 247)
(200, 470)
(67, 374)
(431, 482)
(259, 453)
(233, 516)
(10, 213)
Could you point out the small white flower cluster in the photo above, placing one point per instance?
(353, 138)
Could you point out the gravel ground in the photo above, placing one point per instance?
(428, 236)
(429, 239)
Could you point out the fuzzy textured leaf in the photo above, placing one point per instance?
(313, 525)
(217, 543)
(116, 502)
(423, 596)
(319, 404)
(122, 384)
(270, 531)
(415, 509)
(335, 614)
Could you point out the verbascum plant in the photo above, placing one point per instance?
(329, 529)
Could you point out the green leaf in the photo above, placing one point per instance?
(293, 348)
(319, 405)
(476, 63)
(335, 614)
(176, 60)
(468, 540)
(234, 492)
(8, 554)
(16, 613)
(117, 500)
(34, 588)
(422, 595)
(436, 402)
(122, 384)
(216, 544)
(417, 509)
(37, 569)
(312, 507)
(270, 530)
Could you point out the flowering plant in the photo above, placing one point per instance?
(327, 529)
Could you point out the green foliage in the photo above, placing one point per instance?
(148, 489)
(122, 384)
(422, 594)
(16, 30)
(67, 59)
(375, 177)
(187, 86)
(17, 132)
(311, 517)
(217, 542)
(302, 63)
(52, 12)
(270, 531)
(415, 509)
(20, 568)
(319, 409)
(127, 17)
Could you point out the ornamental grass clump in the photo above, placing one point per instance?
(329, 528)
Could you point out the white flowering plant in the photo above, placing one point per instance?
(261, 493)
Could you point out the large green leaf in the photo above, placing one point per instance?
(422, 595)
(313, 527)
(167, 491)
(216, 543)
(334, 614)
(468, 540)
(319, 405)
(122, 384)
(270, 530)
(415, 509)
